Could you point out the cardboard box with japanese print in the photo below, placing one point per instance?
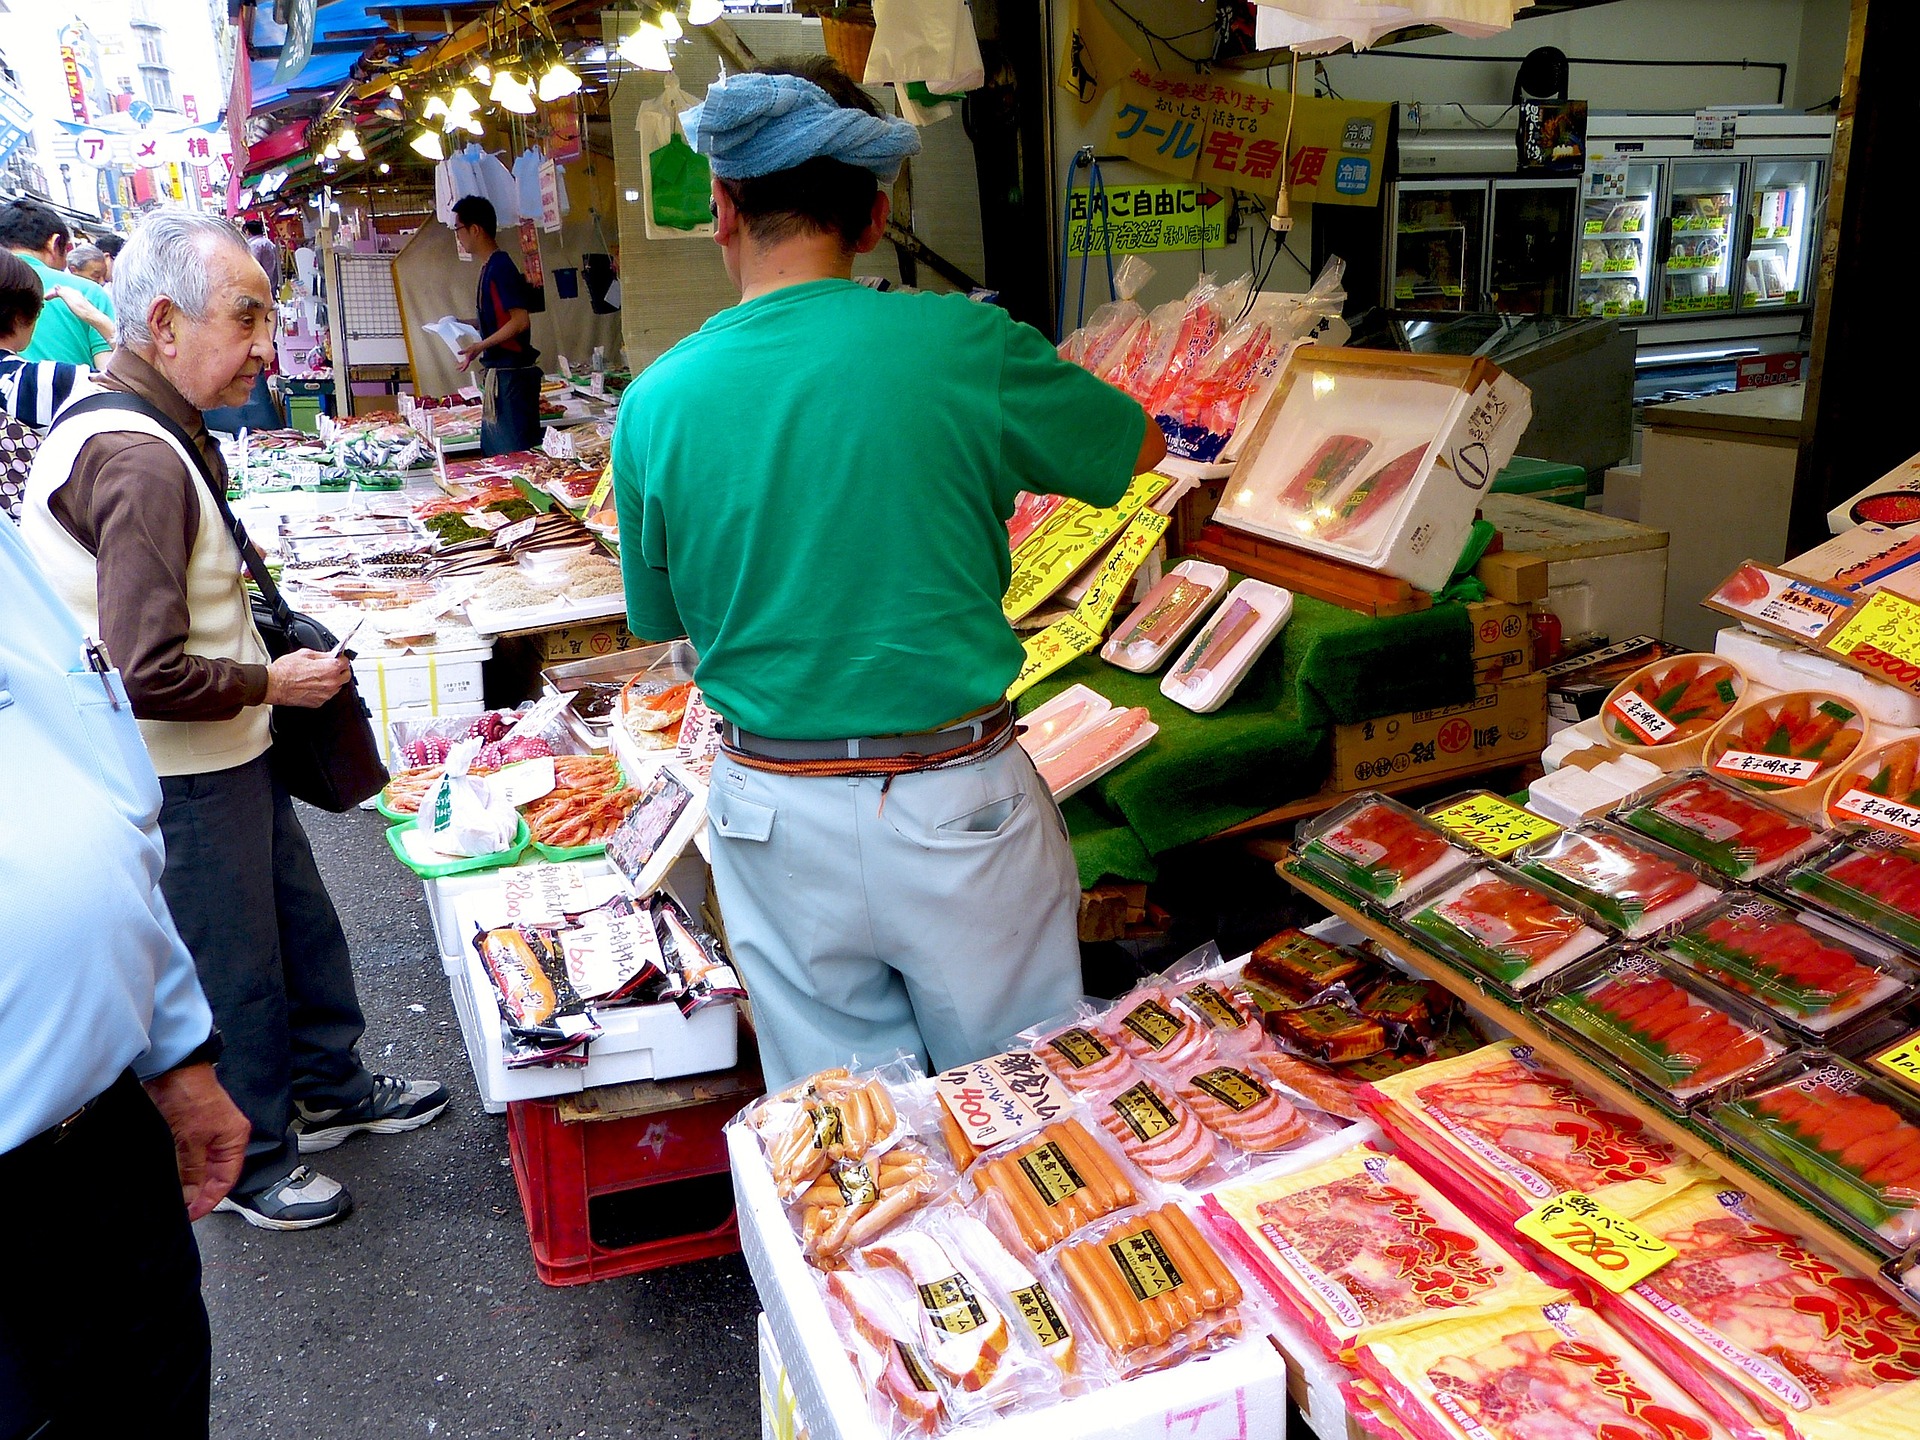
(1502, 722)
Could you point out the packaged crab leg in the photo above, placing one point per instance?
(1508, 929)
(1379, 849)
(1159, 623)
(1634, 886)
(1741, 837)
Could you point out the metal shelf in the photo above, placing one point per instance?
(1780, 1207)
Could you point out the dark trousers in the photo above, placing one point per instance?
(272, 958)
(510, 409)
(103, 1331)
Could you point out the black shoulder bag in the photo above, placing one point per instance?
(324, 755)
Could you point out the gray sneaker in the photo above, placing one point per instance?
(394, 1106)
(301, 1201)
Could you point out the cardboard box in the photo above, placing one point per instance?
(1502, 640)
(1506, 722)
(1513, 577)
(584, 642)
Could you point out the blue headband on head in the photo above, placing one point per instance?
(753, 125)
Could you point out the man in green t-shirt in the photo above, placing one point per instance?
(77, 322)
(814, 488)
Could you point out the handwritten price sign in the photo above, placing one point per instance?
(1883, 639)
(1493, 825)
(1578, 1229)
(1902, 1061)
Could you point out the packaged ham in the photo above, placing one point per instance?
(1076, 1051)
(1236, 1101)
(1413, 1013)
(1294, 968)
(1379, 850)
(1144, 640)
(1815, 976)
(1219, 657)
(1786, 745)
(1879, 790)
(829, 1116)
(1223, 1007)
(1678, 1039)
(1531, 1372)
(1052, 1187)
(1504, 1131)
(1846, 1141)
(1638, 888)
(1360, 1247)
(1148, 1026)
(1158, 1132)
(1022, 1296)
(1508, 929)
(1872, 880)
(1672, 703)
(881, 1337)
(1153, 1288)
(1741, 837)
(1086, 755)
(1815, 1349)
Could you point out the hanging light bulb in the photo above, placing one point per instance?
(393, 92)
(461, 103)
(354, 152)
(557, 78)
(436, 107)
(471, 124)
(505, 82)
(703, 12)
(385, 168)
(510, 92)
(669, 24)
(646, 49)
(427, 143)
(347, 139)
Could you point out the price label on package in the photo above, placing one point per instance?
(1902, 1061)
(1002, 1097)
(1578, 1229)
(1646, 722)
(1880, 812)
(1789, 770)
(1495, 826)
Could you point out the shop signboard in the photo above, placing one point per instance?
(1143, 219)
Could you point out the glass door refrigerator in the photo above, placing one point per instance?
(1437, 255)
(1699, 245)
(1617, 234)
(1530, 246)
(1781, 213)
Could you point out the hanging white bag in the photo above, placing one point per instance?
(932, 41)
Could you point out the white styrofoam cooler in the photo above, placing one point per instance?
(420, 685)
(1780, 665)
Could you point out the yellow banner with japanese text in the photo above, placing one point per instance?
(1080, 633)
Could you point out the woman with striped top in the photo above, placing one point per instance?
(31, 391)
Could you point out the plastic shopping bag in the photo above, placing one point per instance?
(931, 41)
(464, 814)
(679, 187)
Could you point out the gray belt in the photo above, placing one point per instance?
(927, 743)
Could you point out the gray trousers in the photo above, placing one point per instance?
(256, 916)
(935, 915)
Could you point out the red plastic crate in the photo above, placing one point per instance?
(615, 1197)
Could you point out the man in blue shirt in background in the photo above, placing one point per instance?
(114, 1133)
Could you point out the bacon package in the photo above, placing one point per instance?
(1360, 1247)
(1871, 883)
(1739, 836)
(1149, 1026)
(1845, 1140)
(1824, 1353)
(1814, 975)
(1239, 1104)
(1549, 1372)
(1159, 1133)
(1637, 888)
(1500, 925)
(1786, 743)
(1147, 638)
(1672, 701)
(1380, 850)
(1680, 1038)
(1081, 1056)
(1324, 1089)
(1512, 1132)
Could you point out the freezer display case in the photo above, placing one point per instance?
(1780, 208)
(1617, 232)
(1438, 245)
(1698, 239)
(1530, 246)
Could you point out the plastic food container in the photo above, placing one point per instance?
(1671, 1035)
(1875, 885)
(1219, 657)
(1736, 834)
(1504, 928)
(1786, 746)
(1379, 850)
(1879, 789)
(1667, 709)
(1815, 976)
(1159, 623)
(1847, 1142)
(1637, 887)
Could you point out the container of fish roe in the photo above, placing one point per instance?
(1665, 711)
(1786, 747)
(1378, 851)
(1871, 879)
(1845, 1141)
(1636, 886)
(1878, 789)
(1503, 929)
(1731, 831)
(1672, 1036)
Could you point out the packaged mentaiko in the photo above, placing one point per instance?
(1878, 790)
(1361, 1246)
(1814, 975)
(1500, 925)
(1672, 702)
(1737, 834)
(1637, 887)
(1379, 849)
(1823, 1352)
(1676, 1037)
(1786, 745)
(1872, 880)
(1507, 1131)
(1846, 1141)
(1532, 1372)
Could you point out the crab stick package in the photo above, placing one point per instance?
(1379, 850)
(1049, 1188)
(1534, 1372)
(1727, 830)
(1815, 976)
(1879, 790)
(1145, 640)
(1153, 1288)
(1872, 880)
(1497, 924)
(1846, 1141)
(1787, 745)
(1513, 1132)
(1824, 1353)
(1635, 886)
(1117, 328)
(1219, 657)
(1675, 1037)
(1670, 705)
(1360, 1247)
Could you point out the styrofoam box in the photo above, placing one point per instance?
(420, 686)
(1239, 1392)
(1779, 665)
(779, 1410)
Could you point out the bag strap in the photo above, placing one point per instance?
(121, 400)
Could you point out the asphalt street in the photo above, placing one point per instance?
(421, 1314)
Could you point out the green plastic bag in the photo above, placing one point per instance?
(680, 182)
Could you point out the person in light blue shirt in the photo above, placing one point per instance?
(114, 1132)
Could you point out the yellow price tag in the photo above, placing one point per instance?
(1886, 624)
(1129, 553)
(1059, 644)
(1578, 1229)
(1495, 826)
(1902, 1061)
(1074, 534)
(600, 491)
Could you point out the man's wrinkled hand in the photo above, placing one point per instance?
(306, 679)
(209, 1134)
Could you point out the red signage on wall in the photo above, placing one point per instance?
(76, 91)
(1757, 372)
